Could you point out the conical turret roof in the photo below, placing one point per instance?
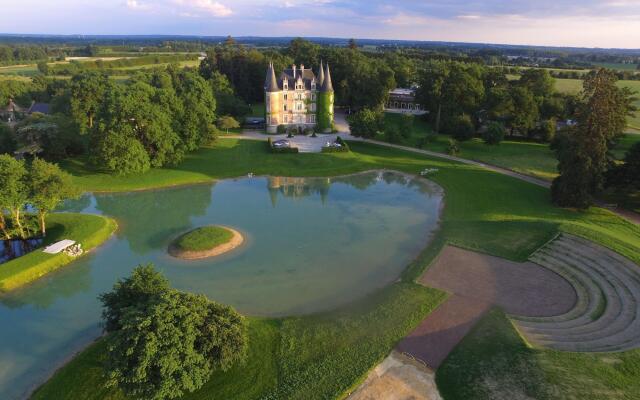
(321, 75)
(270, 83)
(327, 86)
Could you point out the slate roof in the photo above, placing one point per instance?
(39, 108)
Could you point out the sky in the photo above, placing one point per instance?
(581, 23)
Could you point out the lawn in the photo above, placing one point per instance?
(529, 158)
(87, 229)
(326, 355)
(493, 362)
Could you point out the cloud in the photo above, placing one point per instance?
(136, 5)
(209, 7)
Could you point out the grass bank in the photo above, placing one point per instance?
(87, 229)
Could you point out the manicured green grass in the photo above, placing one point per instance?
(624, 144)
(203, 238)
(493, 362)
(535, 159)
(87, 229)
(326, 355)
(319, 356)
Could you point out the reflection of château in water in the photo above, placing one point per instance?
(297, 187)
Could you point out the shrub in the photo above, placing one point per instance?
(284, 150)
(281, 129)
(392, 135)
(308, 131)
(463, 128)
(343, 149)
(453, 148)
(494, 134)
(366, 123)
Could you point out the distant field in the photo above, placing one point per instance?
(575, 85)
(618, 66)
(20, 70)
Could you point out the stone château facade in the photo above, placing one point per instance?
(299, 99)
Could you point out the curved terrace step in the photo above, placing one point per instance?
(606, 316)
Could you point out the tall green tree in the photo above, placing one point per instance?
(48, 187)
(14, 193)
(583, 158)
(87, 92)
(164, 343)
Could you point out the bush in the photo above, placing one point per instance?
(462, 128)
(343, 149)
(284, 150)
(308, 131)
(366, 123)
(494, 134)
(392, 135)
(425, 140)
(281, 129)
(453, 148)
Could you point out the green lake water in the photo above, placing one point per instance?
(312, 244)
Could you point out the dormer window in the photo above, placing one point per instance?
(285, 84)
(313, 84)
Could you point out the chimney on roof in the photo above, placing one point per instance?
(293, 69)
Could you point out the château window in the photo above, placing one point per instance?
(299, 107)
(285, 107)
(285, 96)
(313, 118)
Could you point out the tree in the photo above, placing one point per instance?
(87, 93)
(366, 123)
(48, 187)
(462, 128)
(494, 134)
(525, 113)
(121, 153)
(13, 193)
(7, 141)
(406, 124)
(43, 67)
(162, 342)
(583, 159)
(352, 44)
(227, 122)
(304, 52)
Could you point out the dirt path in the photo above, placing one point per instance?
(478, 282)
(398, 377)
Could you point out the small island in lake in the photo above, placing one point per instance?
(204, 242)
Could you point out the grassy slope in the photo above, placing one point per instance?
(89, 230)
(494, 362)
(321, 356)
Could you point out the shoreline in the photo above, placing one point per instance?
(236, 241)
